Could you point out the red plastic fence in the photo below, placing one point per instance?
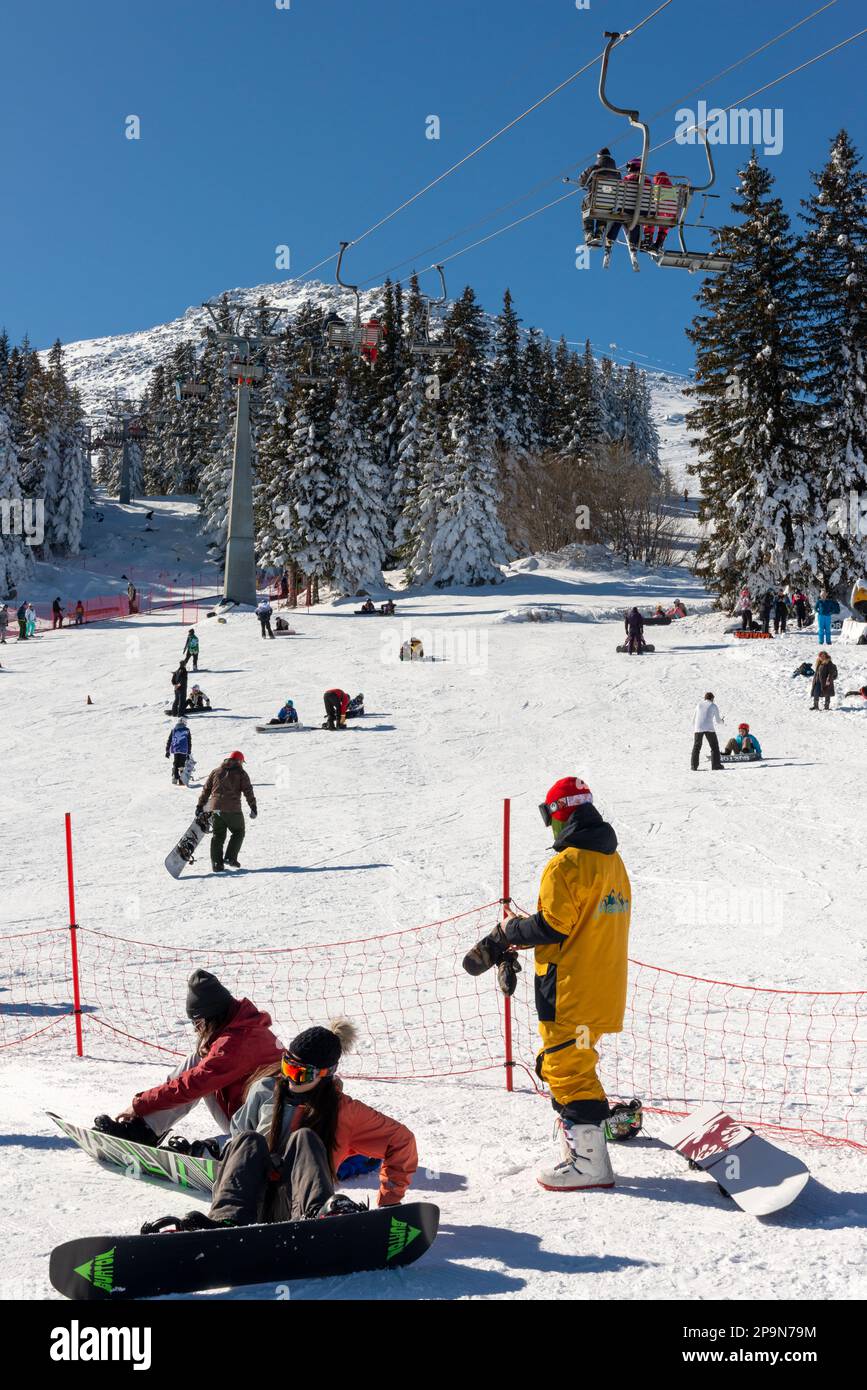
(788, 1059)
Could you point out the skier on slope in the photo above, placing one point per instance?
(179, 747)
(744, 743)
(191, 648)
(707, 716)
(580, 934)
(179, 684)
(287, 714)
(233, 1041)
(336, 705)
(221, 795)
(295, 1128)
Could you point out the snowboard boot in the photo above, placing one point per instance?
(137, 1130)
(340, 1205)
(234, 863)
(584, 1163)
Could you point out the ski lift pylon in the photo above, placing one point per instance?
(637, 202)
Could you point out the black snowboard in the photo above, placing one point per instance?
(124, 1267)
(648, 647)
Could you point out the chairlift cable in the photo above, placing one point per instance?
(556, 178)
(484, 145)
(538, 211)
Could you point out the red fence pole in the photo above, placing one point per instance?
(508, 1063)
(73, 940)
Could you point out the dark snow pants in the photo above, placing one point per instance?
(714, 750)
(221, 823)
(635, 641)
(780, 620)
(332, 710)
(265, 622)
(254, 1185)
(179, 762)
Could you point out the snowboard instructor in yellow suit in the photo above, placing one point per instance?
(579, 935)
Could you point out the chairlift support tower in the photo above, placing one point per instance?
(239, 577)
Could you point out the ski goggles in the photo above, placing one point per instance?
(300, 1072)
(547, 808)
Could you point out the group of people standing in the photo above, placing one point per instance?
(779, 606)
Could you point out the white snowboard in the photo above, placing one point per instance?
(183, 852)
(757, 1175)
(277, 728)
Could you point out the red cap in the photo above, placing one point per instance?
(236, 757)
(565, 795)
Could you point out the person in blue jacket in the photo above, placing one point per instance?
(744, 743)
(288, 714)
(179, 747)
(825, 607)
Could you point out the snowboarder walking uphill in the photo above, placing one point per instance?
(580, 934)
(634, 624)
(263, 613)
(822, 685)
(287, 1141)
(191, 648)
(707, 716)
(233, 1042)
(222, 794)
(179, 747)
(336, 705)
(179, 682)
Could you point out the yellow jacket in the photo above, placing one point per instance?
(580, 931)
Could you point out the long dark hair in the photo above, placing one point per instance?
(319, 1110)
(207, 1030)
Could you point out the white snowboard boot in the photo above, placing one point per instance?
(585, 1161)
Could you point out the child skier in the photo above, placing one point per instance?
(290, 1136)
(179, 747)
(744, 743)
(233, 1041)
(191, 648)
(287, 714)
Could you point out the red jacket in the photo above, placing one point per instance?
(245, 1045)
(344, 699)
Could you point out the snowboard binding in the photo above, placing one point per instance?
(624, 1122)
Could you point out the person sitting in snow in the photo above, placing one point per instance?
(677, 610)
(290, 1137)
(287, 714)
(233, 1041)
(179, 747)
(368, 606)
(387, 607)
(744, 743)
(198, 700)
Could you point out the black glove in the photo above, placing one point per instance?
(168, 755)
(508, 971)
(486, 953)
(253, 814)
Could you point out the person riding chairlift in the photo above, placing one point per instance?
(594, 231)
(632, 175)
(660, 180)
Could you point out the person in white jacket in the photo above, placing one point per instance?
(707, 716)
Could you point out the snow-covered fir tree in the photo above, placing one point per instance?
(469, 542)
(835, 275)
(15, 555)
(358, 531)
(306, 519)
(759, 501)
(639, 431)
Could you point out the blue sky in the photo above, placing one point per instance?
(263, 126)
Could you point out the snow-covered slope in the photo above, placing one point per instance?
(752, 875)
(101, 366)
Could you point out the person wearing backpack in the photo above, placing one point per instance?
(179, 747)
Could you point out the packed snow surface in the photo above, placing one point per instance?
(398, 824)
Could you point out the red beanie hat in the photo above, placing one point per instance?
(565, 795)
(236, 757)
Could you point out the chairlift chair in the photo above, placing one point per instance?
(649, 205)
(427, 346)
(365, 338)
